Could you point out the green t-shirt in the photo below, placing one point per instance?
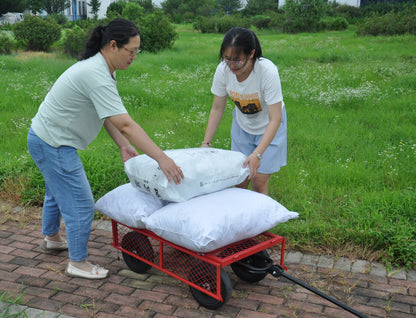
(74, 110)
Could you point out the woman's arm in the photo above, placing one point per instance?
(124, 130)
(215, 116)
(127, 151)
(275, 118)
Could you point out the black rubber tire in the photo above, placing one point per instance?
(207, 275)
(139, 245)
(243, 273)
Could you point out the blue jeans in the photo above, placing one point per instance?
(68, 194)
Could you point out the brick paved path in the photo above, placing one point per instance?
(48, 292)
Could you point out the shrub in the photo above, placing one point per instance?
(115, 9)
(59, 18)
(258, 7)
(6, 44)
(84, 24)
(303, 15)
(227, 22)
(132, 11)
(350, 13)
(74, 41)
(220, 24)
(333, 24)
(277, 20)
(37, 34)
(389, 24)
(261, 21)
(157, 33)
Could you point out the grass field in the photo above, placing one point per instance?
(351, 131)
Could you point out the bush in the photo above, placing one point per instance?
(115, 9)
(157, 33)
(259, 7)
(350, 13)
(261, 21)
(303, 15)
(220, 24)
(6, 44)
(277, 20)
(74, 41)
(392, 23)
(59, 18)
(132, 11)
(333, 24)
(36, 34)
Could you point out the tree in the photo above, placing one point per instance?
(55, 6)
(115, 9)
(132, 11)
(230, 6)
(11, 6)
(95, 7)
(147, 5)
(256, 7)
(35, 5)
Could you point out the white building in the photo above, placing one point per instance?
(80, 10)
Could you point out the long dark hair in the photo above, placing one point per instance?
(119, 30)
(241, 40)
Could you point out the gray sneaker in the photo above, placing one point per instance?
(48, 245)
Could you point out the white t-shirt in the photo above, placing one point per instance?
(74, 110)
(252, 96)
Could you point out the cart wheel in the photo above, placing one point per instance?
(206, 278)
(256, 261)
(139, 245)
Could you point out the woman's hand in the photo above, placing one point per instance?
(171, 170)
(128, 152)
(254, 163)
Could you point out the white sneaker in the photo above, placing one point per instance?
(97, 272)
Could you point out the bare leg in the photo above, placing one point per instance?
(260, 183)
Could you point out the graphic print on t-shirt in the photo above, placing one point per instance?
(246, 103)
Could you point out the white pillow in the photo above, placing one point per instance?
(211, 221)
(206, 170)
(128, 205)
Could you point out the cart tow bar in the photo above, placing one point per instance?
(277, 270)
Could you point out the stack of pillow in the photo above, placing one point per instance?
(204, 212)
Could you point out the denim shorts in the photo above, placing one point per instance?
(275, 155)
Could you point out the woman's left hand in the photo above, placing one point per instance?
(254, 164)
(128, 152)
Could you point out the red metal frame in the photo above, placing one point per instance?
(183, 264)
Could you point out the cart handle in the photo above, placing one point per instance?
(277, 270)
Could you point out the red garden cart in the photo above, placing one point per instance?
(204, 272)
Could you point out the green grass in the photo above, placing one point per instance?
(351, 131)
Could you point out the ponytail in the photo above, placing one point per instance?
(242, 40)
(119, 30)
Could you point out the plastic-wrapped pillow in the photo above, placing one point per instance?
(128, 205)
(212, 221)
(206, 170)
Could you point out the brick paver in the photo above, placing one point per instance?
(47, 292)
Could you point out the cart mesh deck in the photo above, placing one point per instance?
(203, 272)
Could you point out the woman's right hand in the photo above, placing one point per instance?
(171, 170)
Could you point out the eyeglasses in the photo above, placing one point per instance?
(132, 52)
(237, 63)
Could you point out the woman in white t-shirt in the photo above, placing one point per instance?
(259, 118)
(82, 100)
